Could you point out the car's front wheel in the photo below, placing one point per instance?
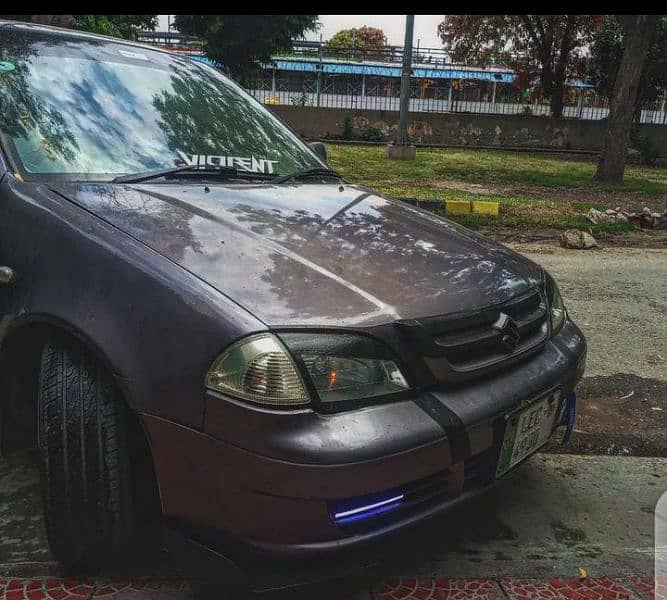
(83, 457)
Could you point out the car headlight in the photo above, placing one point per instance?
(292, 369)
(259, 369)
(344, 368)
(556, 306)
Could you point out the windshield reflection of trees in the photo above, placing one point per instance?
(203, 115)
(105, 114)
(164, 226)
(22, 113)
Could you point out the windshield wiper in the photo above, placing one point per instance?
(187, 171)
(305, 173)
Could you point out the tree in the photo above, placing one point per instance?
(121, 26)
(240, 43)
(548, 48)
(639, 31)
(370, 41)
(607, 50)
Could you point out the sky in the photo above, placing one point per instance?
(426, 27)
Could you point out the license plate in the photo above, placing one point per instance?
(526, 431)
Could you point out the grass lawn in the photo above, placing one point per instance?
(534, 189)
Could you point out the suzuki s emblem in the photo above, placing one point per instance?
(509, 330)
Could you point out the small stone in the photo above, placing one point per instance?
(607, 217)
(661, 222)
(589, 240)
(577, 240)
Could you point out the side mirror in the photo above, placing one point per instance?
(320, 149)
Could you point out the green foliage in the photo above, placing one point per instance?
(551, 47)
(301, 100)
(121, 26)
(369, 133)
(241, 43)
(424, 179)
(648, 150)
(408, 178)
(372, 134)
(607, 50)
(370, 41)
(348, 128)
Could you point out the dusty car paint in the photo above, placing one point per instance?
(312, 254)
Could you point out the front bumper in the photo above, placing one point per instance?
(277, 495)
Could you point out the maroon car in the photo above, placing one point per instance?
(195, 308)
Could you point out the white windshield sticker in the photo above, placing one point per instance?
(130, 54)
(243, 163)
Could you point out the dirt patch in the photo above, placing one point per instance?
(621, 415)
(482, 189)
(566, 535)
(546, 239)
(628, 200)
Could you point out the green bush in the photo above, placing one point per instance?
(301, 100)
(348, 132)
(348, 129)
(648, 151)
(372, 134)
(647, 148)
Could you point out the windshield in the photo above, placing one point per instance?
(79, 108)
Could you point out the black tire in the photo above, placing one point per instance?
(83, 457)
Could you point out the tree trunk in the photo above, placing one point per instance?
(639, 34)
(561, 66)
(546, 79)
(557, 95)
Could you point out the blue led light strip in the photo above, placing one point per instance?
(369, 510)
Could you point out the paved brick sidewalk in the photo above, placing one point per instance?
(86, 589)
(593, 588)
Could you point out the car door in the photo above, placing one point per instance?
(6, 272)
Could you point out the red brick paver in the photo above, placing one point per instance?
(647, 587)
(438, 589)
(591, 588)
(86, 589)
(636, 587)
(45, 589)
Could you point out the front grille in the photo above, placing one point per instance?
(467, 342)
(473, 342)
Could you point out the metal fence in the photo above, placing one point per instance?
(372, 94)
(314, 73)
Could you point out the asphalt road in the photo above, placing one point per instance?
(618, 296)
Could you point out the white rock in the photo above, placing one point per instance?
(578, 240)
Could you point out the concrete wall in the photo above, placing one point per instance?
(464, 129)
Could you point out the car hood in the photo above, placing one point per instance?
(313, 254)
